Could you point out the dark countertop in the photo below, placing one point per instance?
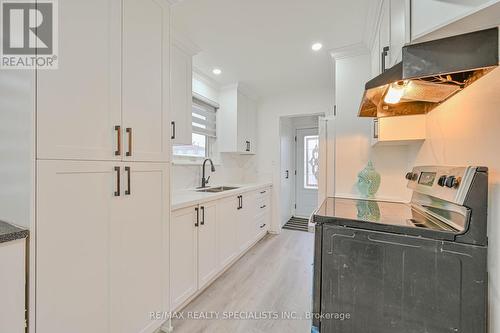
(8, 232)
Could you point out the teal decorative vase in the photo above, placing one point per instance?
(368, 181)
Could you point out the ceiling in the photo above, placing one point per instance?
(266, 44)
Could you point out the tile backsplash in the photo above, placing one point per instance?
(229, 169)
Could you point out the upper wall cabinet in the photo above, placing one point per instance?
(236, 122)
(105, 102)
(182, 90)
(428, 16)
(392, 34)
(145, 100)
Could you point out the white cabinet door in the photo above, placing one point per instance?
(78, 105)
(13, 286)
(227, 226)
(146, 62)
(207, 243)
(140, 247)
(385, 35)
(246, 220)
(183, 255)
(375, 58)
(399, 28)
(182, 96)
(74, 209)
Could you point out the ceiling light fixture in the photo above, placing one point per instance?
(217, 71)
(317, 46)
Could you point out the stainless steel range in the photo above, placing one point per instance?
(387, 267)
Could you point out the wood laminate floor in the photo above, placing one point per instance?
(275, 275)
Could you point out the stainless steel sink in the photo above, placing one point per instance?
(217, 189)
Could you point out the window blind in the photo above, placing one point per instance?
(204, 118)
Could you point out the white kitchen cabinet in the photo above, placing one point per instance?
(78, 105)
(246, 220)
(207, 243)
(109, 99)
(182, 95)
(399, 28)
(146, 80)
(227, 228)
(428, 16)
(263, 213)
(141, 234)
(385, 36)
(13, 286)
(236, 122)
(392, 34)
(74, 223)
(101, 253)
(183, 254)
(399, 130)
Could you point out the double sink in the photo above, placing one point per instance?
(217, 189)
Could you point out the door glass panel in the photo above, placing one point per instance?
(311, 161)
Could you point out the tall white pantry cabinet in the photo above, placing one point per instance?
(102, 170)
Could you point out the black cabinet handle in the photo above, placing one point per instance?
(173, 130)
(287, 175)
(117, 192)
(261, 207)
(129, 132)
(240, 204)
(375, 128)
(262, 192)
(248, 145)
(118, 150)
(128, 190)
(263, 225)
(385, 51)
(202, 222)
(197, 223)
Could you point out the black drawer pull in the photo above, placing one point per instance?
(117, 192)
(128, 190)
(262, 206)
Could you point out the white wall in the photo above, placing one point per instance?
(352, 139)
(270, 111)
(229, 169)
(466, 131)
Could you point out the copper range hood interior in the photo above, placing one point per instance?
(430, 73)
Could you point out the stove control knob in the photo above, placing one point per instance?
(409, 176)
(442, 181)
(452, 182)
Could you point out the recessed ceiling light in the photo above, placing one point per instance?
(317, 46)
(217, 71)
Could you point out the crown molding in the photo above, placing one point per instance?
(200, 75)
(184, 43)
(349, 51)
(174, 2)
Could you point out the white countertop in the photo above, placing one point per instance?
(190, 197)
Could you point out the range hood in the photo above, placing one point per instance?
(430, 73)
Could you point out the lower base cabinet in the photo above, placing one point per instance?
(208, 237)
(12, 286)
(102, 246)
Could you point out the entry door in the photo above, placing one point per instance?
(307, 164)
